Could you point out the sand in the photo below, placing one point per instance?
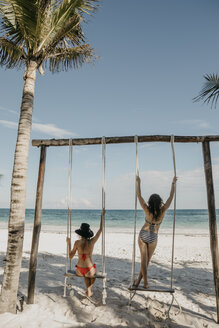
(193, 283)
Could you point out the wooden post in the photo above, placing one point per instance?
(212, 219)
(37, 227)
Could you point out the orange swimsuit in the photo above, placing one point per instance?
(83, 271)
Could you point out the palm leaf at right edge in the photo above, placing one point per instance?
(210, 90)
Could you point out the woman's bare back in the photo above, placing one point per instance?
(149, 220)
(85, 250)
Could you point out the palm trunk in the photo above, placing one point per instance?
(12, 268)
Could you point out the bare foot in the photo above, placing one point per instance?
(136, 283)
(146, 286)
(89, 293)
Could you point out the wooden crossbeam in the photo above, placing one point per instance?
(118, 140)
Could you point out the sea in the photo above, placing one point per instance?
(56, 219)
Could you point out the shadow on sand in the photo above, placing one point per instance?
(145, 308)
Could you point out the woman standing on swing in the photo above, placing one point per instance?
(154, 214)
(84, 246)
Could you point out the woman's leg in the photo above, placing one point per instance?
(144, 263)
(151, 249)
(89, 284)
(89, 292)
(137, 282)
(91, 279)
(147, 250)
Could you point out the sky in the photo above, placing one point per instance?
(152, 56)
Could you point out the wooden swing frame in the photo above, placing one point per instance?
(204, 140)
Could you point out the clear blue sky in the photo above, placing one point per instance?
(152, 58)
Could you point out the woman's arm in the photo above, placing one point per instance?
(169, 200)
(71, 252)
(95, 238)
(140, 198)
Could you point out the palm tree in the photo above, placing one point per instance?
(35, 33)
(210, 90)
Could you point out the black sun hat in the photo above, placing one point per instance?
(85, 231)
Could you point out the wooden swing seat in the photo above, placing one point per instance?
(72, 273)
(158, 289)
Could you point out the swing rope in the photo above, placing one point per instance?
(69, 198)
(135, 213)
(104, 294)
(174, 211)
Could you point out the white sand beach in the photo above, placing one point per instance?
(193, 281)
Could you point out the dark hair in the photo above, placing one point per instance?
(155, 203)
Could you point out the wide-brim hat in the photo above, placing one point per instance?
(85, 231)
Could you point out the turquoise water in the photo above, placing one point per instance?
(185, 219)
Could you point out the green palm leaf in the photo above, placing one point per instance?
(210, 90)
(8, 25)
(11, 55)
(23, 14)
(68, 35)
(63, 18)
(43, 23)
(37, 29)
(63, 59)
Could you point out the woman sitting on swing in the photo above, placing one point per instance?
(84, 246)
(154, 215)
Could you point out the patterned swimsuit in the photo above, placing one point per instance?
(148, 237)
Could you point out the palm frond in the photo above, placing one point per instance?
(210, 90)
(69, 35)
(63, 59)
(19, 20)
(7, 13)
(8, 25)
(44, 30)
(89, 6)
(11, 55)
(64, 18)
(45, 11)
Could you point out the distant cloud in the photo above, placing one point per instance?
(49, 129)
(8, 110)
(82, 203)
(8, 124)
(146, 145)
(201, 124)
(76, 203)
(191, 189)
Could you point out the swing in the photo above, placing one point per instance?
(69, 273)
(132, 288)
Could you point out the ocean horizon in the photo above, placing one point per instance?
(186, 219)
